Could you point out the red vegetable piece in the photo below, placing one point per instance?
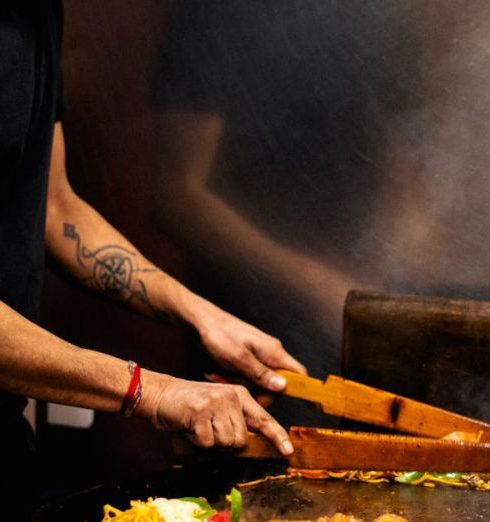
(222, 516)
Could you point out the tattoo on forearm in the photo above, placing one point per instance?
(112, 271)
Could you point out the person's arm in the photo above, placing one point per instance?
(189, 142)
(36, 363)
(97, 255)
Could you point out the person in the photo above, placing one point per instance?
(39, 208)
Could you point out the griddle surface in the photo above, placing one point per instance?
(290, 498)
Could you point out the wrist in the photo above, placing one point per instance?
(176, 302)
(154, 385)
(134, 392)
(197, 312)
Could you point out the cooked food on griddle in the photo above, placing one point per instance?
(478, 481)
(339, 517)
(154, 510)
(390, 517)
(185, 509)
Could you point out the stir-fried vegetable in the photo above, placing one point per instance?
(222, 516)
(205, 512)
(185, 508)
(409, 477)
(235, 499)
(417, 477)
(478, 481)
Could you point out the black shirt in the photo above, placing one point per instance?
(30, 35)
(294, 82)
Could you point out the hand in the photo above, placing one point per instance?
(240, 347)
(215, 414)
(264, 398)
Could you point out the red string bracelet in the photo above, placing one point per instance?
(135, 390)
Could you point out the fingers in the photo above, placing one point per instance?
(223, 430)
(240, 347)
(272, 353)
(217, 414)
(240, 428)
(219, 419)
(290, 363)
(228, 415)
(261, 374)
(202, 433)
(259, 420)
(264, 399)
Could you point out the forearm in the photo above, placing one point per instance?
(36, 363)
(214, 228)
(101, 259)
(241, 246)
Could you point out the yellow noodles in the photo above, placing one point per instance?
(466, 481)
(139, 512)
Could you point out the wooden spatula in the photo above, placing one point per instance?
(316, 448)
(356, 401)
(331, 449)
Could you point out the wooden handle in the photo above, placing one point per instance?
(257, 447)
(356, 401)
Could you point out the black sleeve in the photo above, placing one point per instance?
(61, 106)
(57, 21)
(54, 35)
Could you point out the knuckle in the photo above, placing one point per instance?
(201, 406)
(276, 343)
(216, 394)
(240, 440)
(202, 436)
(246, 355)
(227, 440)
(265, 418)
(229, 392)
(240, 351)
(241, 390)
(262, 374)
(237, 350)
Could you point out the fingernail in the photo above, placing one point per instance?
(277, 383)
(287, 447)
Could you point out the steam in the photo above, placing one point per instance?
(435, 219)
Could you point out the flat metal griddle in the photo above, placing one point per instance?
(291, 498)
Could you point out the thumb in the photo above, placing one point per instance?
(262, 375)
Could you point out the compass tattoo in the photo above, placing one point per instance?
(113, 271)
